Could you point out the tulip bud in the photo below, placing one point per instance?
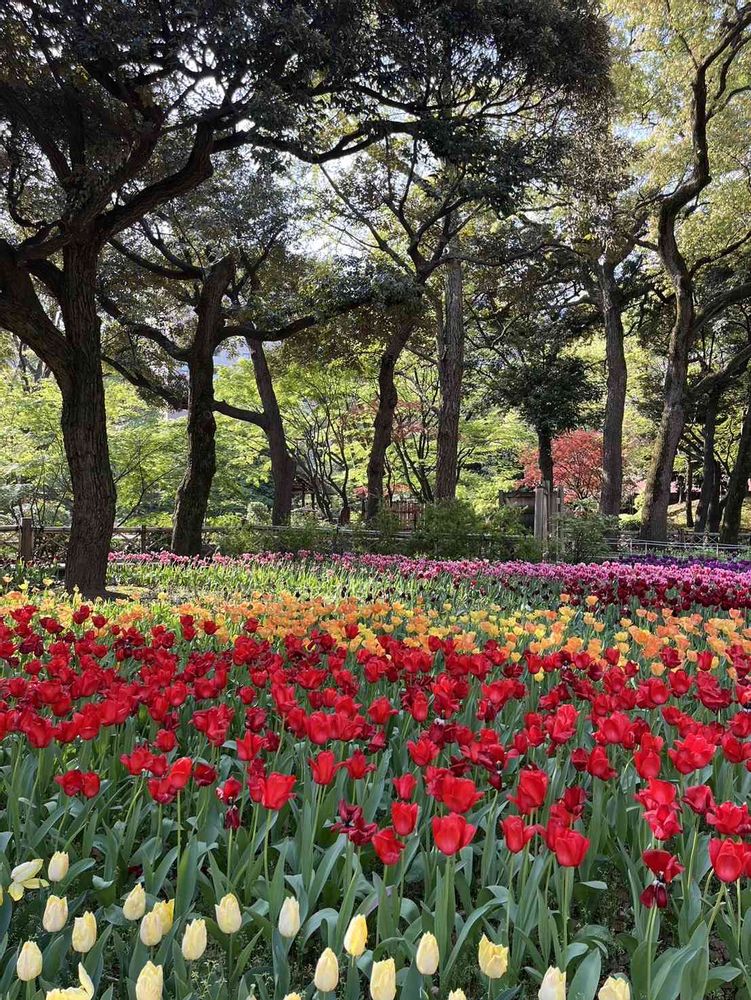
(194, 940)
(134, 906)
(356, 936)
(228, 915)
(383, 980)
(29, 963)
(150, 982)
(427, 955)
(84, 932)
(289, 917)
(55, 914)
(57, 869)
(553, 985)
(327, 972)
(457, 995)
(614, 989)
(292, 996)
(493, 958)
(165, 910)
(150, 931)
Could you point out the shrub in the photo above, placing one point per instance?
(583, 535)
(448, 528)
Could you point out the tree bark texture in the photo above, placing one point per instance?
(612, 432)
(84, 427)
(738, 485)
(282, 463)
(450, 374)
(194, 491)
(709, 463)
(384, 419)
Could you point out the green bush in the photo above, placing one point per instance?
(583, 535)
(449, 529)
(388, 526)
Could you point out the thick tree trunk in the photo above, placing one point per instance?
(282, 463)
(657, 492)
(612, 432)
(450, 374)
(84, 427)
(545, 460)
(709, 463)
(193, 493)
(384, 418)
(738, 485)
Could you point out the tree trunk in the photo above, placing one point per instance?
(282, 463)
(738, 485)
(709, 464)
(545, 451)
(384, 418)
(84, 427)
(612, 433)
(689, 492)
(193, 493)
(714, 514)
(657, 492)
(450, 373)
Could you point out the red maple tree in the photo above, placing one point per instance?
(577, 465)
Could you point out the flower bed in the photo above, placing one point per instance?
(289, 795)
(655, 584)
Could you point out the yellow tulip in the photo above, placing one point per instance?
(228, 915)
(383, 980)
(83, 992)
(194, 940)
(289, 918)
(614, 989)
(457, 995)
(55, 914)
(427, 955)
(24, 876)
(29, 964)
(58, 867)
(165, 910)
(292, 996)
(553, 985)
(150, 982)
(134, 906)
(84, 932)
(493, 958)
(327, 972)
(150, 931)
(356, 936)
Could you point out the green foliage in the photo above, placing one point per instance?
(584, 535)
(387, 528)
(448, 528)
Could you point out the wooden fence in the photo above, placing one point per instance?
(25, 542)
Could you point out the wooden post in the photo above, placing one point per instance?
(143, 539)
(541, 515)
(27, 540)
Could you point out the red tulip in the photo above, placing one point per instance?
(387, 846)
(404, 817)
(451, 833)
(531, 790)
